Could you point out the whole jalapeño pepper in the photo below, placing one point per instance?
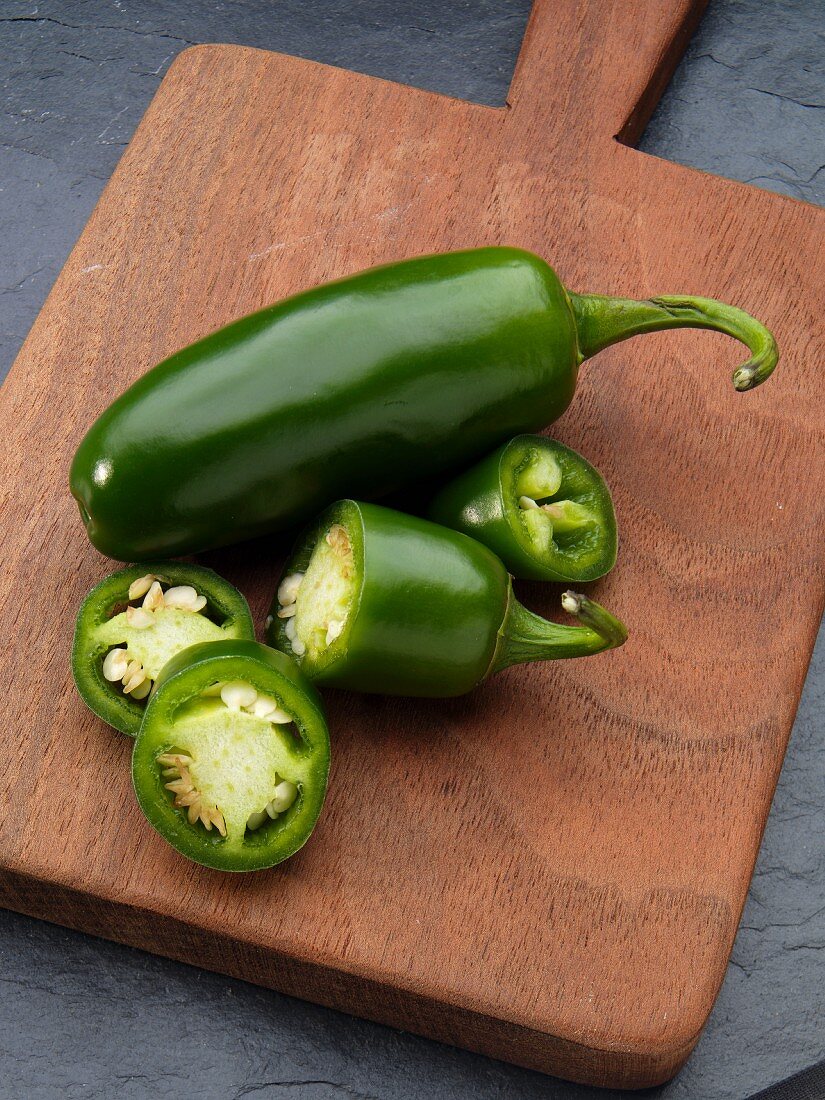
(356, 388)
(379, 601)
(232, 758)
(136, 620)
(538, 505)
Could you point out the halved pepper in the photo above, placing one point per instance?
(135, 620)
(539, 506)
(231, 762)
(378, 601)
(356, 389)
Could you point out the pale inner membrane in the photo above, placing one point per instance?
(325, 598)
(172, 630)
(237, 759)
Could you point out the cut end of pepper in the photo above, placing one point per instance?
(539, 506)
(596, 617)
(314, 601)
(560, 513)
(526, 637)
(571, 602)
(746, 377)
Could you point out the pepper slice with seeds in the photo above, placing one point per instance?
(541, 507)
(231, 762)
(131, 624)
(379, 601)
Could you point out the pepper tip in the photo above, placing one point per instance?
(745, 379)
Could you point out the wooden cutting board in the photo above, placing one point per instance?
(552, 869)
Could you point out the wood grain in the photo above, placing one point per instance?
(552, 869)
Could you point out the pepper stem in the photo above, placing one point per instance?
(604, 321)
(527, 637)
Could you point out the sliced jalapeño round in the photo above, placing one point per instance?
(135, 620)
(231, 762)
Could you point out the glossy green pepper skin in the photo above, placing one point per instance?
(100, 627)
(178, 712)
(539, 506)
(355, 388)
(433, 611)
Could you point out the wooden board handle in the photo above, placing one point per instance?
(631, 50)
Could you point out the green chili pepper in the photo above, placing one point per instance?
(135, 620)
(379, 601)
(538, 505)
(355, 388)
(232, 758)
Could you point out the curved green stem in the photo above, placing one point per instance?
(527, 637)
(603, 321)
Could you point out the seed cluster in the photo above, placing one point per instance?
(243, 698)
(117, 664)
(187, 796)
(284, 795)
(239, 696)
(287, 599)
(338, 539)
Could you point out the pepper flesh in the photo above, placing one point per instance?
(102, 624)
(541, 507)
(431, 612)
(354, 388)
(237, 760)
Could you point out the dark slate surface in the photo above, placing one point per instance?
(83, 1018)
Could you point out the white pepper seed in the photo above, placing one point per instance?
(526, 502)
(267, 708)
(179, 786)
(141, 586)
(288, 611)
(262, 706)
(288, 588)
(115, 664)
(139, 617)
(134, 682)
(334, 630)
(237, 694)
(285, 795)
(174, 759)
(153, 598)
(185, 598)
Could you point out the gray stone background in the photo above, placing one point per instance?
(84, 1018)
